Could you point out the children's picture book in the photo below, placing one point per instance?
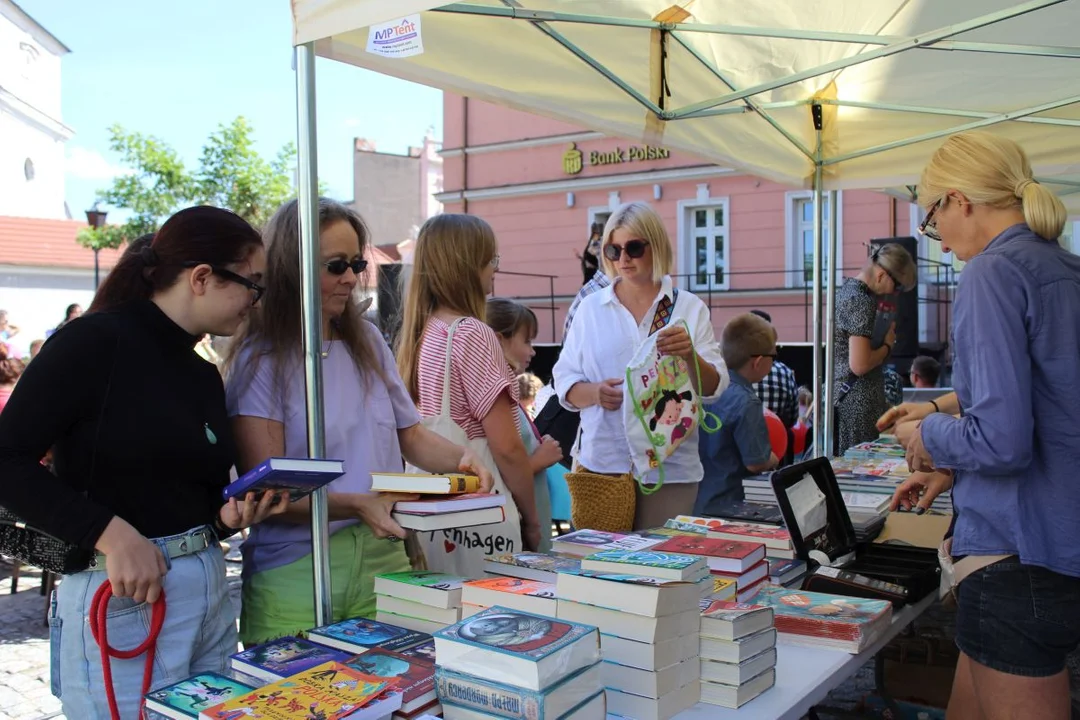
(655, 563)
(281, 658)
(818, 619)
(300, 476)
(189, 697)
(330, 691)
(415, 677)
(585, 542)
(359, 635)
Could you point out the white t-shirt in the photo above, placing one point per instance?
(601, 343)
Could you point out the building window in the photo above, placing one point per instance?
(28, 169)
(703, 244)
(800, 238)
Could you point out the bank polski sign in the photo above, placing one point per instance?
(575, 160)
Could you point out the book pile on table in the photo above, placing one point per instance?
(531, 596)
(738, 653)
(504, 663)
(811, 619)
(743, 562)
(868, 512)
(359, 669)
(645, 605)
(581, 543)
(783, 567)
(418, 600)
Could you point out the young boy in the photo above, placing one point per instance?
(741, 447)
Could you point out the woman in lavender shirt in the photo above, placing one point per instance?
(371, 423)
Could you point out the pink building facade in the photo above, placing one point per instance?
(740, 242)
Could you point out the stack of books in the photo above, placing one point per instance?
(449, 501)
(542, 567)
(529, 596)
(783, 567)
(581, 543)
(645, 605)
(868, 512)
(835, 622)
(418, 600)
(743, 562)
(738, 653)
(504, 663)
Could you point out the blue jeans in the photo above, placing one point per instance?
(199, 635)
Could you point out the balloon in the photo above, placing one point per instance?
(777, 433)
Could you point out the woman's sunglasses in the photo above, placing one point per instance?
(338, 266)
(256, 289)
(634, 249)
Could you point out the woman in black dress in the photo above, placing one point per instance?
(858, 376)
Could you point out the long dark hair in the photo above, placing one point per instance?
(274, 329)
(201, 234)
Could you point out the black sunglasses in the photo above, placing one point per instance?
(225, 274)
(338, 266)
(634, 249)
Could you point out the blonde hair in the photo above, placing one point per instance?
(745, 337)
(451, 251)
(994, 171)
(528, 386)
(897, 262)
(642, 222)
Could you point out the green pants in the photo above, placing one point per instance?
(281, 602)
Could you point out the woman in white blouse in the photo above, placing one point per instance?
(608, 328)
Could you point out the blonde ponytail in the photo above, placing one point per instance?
(1044, 212)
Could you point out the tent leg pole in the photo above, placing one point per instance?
(820, 447)
(830, 321)
(307, 175)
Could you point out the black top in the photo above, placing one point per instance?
(126, 405)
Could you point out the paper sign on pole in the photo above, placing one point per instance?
(396, 39)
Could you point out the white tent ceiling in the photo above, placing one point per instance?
(732, 80)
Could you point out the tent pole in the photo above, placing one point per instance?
(307, 175)
(819, 377)
(830, 321)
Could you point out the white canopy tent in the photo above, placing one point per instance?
(825, 94)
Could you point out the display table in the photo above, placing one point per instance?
(804, 676)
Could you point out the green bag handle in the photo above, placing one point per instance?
(707, 421)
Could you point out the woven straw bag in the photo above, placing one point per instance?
(602, 502)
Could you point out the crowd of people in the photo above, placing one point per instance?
(145, 433)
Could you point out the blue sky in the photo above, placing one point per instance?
(177, 70)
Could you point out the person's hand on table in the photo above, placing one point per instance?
(920, 489)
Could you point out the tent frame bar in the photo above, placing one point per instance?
(891, 107)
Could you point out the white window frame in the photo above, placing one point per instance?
(793, 245)
(686, 232)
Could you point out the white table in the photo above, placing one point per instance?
(804, 676)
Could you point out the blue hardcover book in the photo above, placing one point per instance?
(188, 698)
(279, 659)
(358, 635)
(507, 701)
(300, 476)
(517, 648)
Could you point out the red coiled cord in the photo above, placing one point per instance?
(99, 611)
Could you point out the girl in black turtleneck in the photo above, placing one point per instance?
(142, 449)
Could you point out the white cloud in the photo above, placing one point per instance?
(91, 165)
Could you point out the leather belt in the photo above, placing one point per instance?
(175, 546)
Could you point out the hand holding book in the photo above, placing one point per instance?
(374, 510)
(238, 514)
(471, 464)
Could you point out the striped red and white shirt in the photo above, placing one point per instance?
(478, 373)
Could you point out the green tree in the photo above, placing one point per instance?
(231, 174)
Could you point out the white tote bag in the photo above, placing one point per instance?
(661, 408)
(462, 551)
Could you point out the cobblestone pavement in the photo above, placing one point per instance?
(24, 652)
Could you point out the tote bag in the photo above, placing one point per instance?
(462, 551)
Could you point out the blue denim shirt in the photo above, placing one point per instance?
(1016, 449)
(743, 439)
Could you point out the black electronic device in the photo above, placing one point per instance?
(822, 534)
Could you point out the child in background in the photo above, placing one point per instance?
(741, 447)
(528, 387)
(516, 326)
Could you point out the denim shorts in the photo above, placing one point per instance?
(1018, 619)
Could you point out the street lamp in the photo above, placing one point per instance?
(96, 219)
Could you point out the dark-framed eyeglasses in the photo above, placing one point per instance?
(634, 249)
(256, 289)
(338, 266)
(928, 226)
